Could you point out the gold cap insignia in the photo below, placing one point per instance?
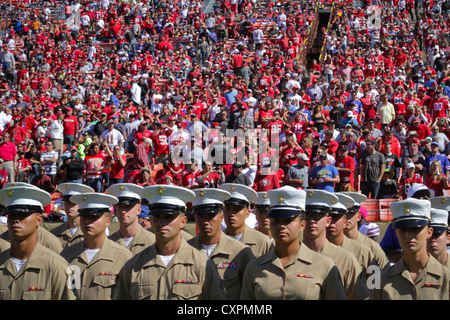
(84, 197)
(310, 194)
(233, 187)
(406, 209)
(443, 200)
(201, 193)
(161, 190)
(121, 187)
(10, 193)
(67, 186)
(281, 198)
(264, 195)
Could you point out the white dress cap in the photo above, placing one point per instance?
(410, 213)
(442, 202)
(209, 200)
(69, 189)
(419, 187)
(345, 202)
(320, 200)
(166, 199)
(286, 202)
(239, 193)
(127, 193)
(439, 220)
(24, 199)
(262, 199)
(93, 203)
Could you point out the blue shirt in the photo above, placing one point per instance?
(229, 97)
(445, 164)
(329, 171)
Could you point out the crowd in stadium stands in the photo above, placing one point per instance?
(148, 92)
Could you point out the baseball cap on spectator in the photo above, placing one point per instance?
(370, 229)
(343, 147)
(303, 156)
(238, 164)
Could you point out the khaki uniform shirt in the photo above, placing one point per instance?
(98, 278)
(308, 276)
(190, 275)
(378, 253)
(447, 264)
(361, 252)
(230, 258)
(43, 277)
(64, 235)
(4, 245)
(352, 276)
(431, 284)
(141, 240)
(257, 241)
(47, 239)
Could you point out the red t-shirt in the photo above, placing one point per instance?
(70, 125)
(190, 179)
(266, 182)
(348, 163)
(117, 171)
(210, 181)
(160, 143)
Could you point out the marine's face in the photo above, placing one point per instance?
(235, 215)
(167, 226)
(316, 225)
(263, 221)
(286, 230)
(412, 240)
(22, 225)
(71, 209)
(94, 225)
(336, 226)
(208, 225)
(437, 244)
(127, 213)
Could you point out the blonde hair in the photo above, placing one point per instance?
(436, 164)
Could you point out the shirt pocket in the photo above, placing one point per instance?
(105, 281)
(36, 295)
(186, 291)
(307, 289)
(231, 283)
(142, 292)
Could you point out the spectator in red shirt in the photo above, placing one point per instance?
(8, 153)
(209, 178)
(190, 179)
(70, 123)
(23, 167)
(421, 129)
(345, 164)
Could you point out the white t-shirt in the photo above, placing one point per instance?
(91, 253)
(166, 259)
(127, 241)
(18, 263)
(209, 249)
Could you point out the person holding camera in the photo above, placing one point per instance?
(73, 167)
